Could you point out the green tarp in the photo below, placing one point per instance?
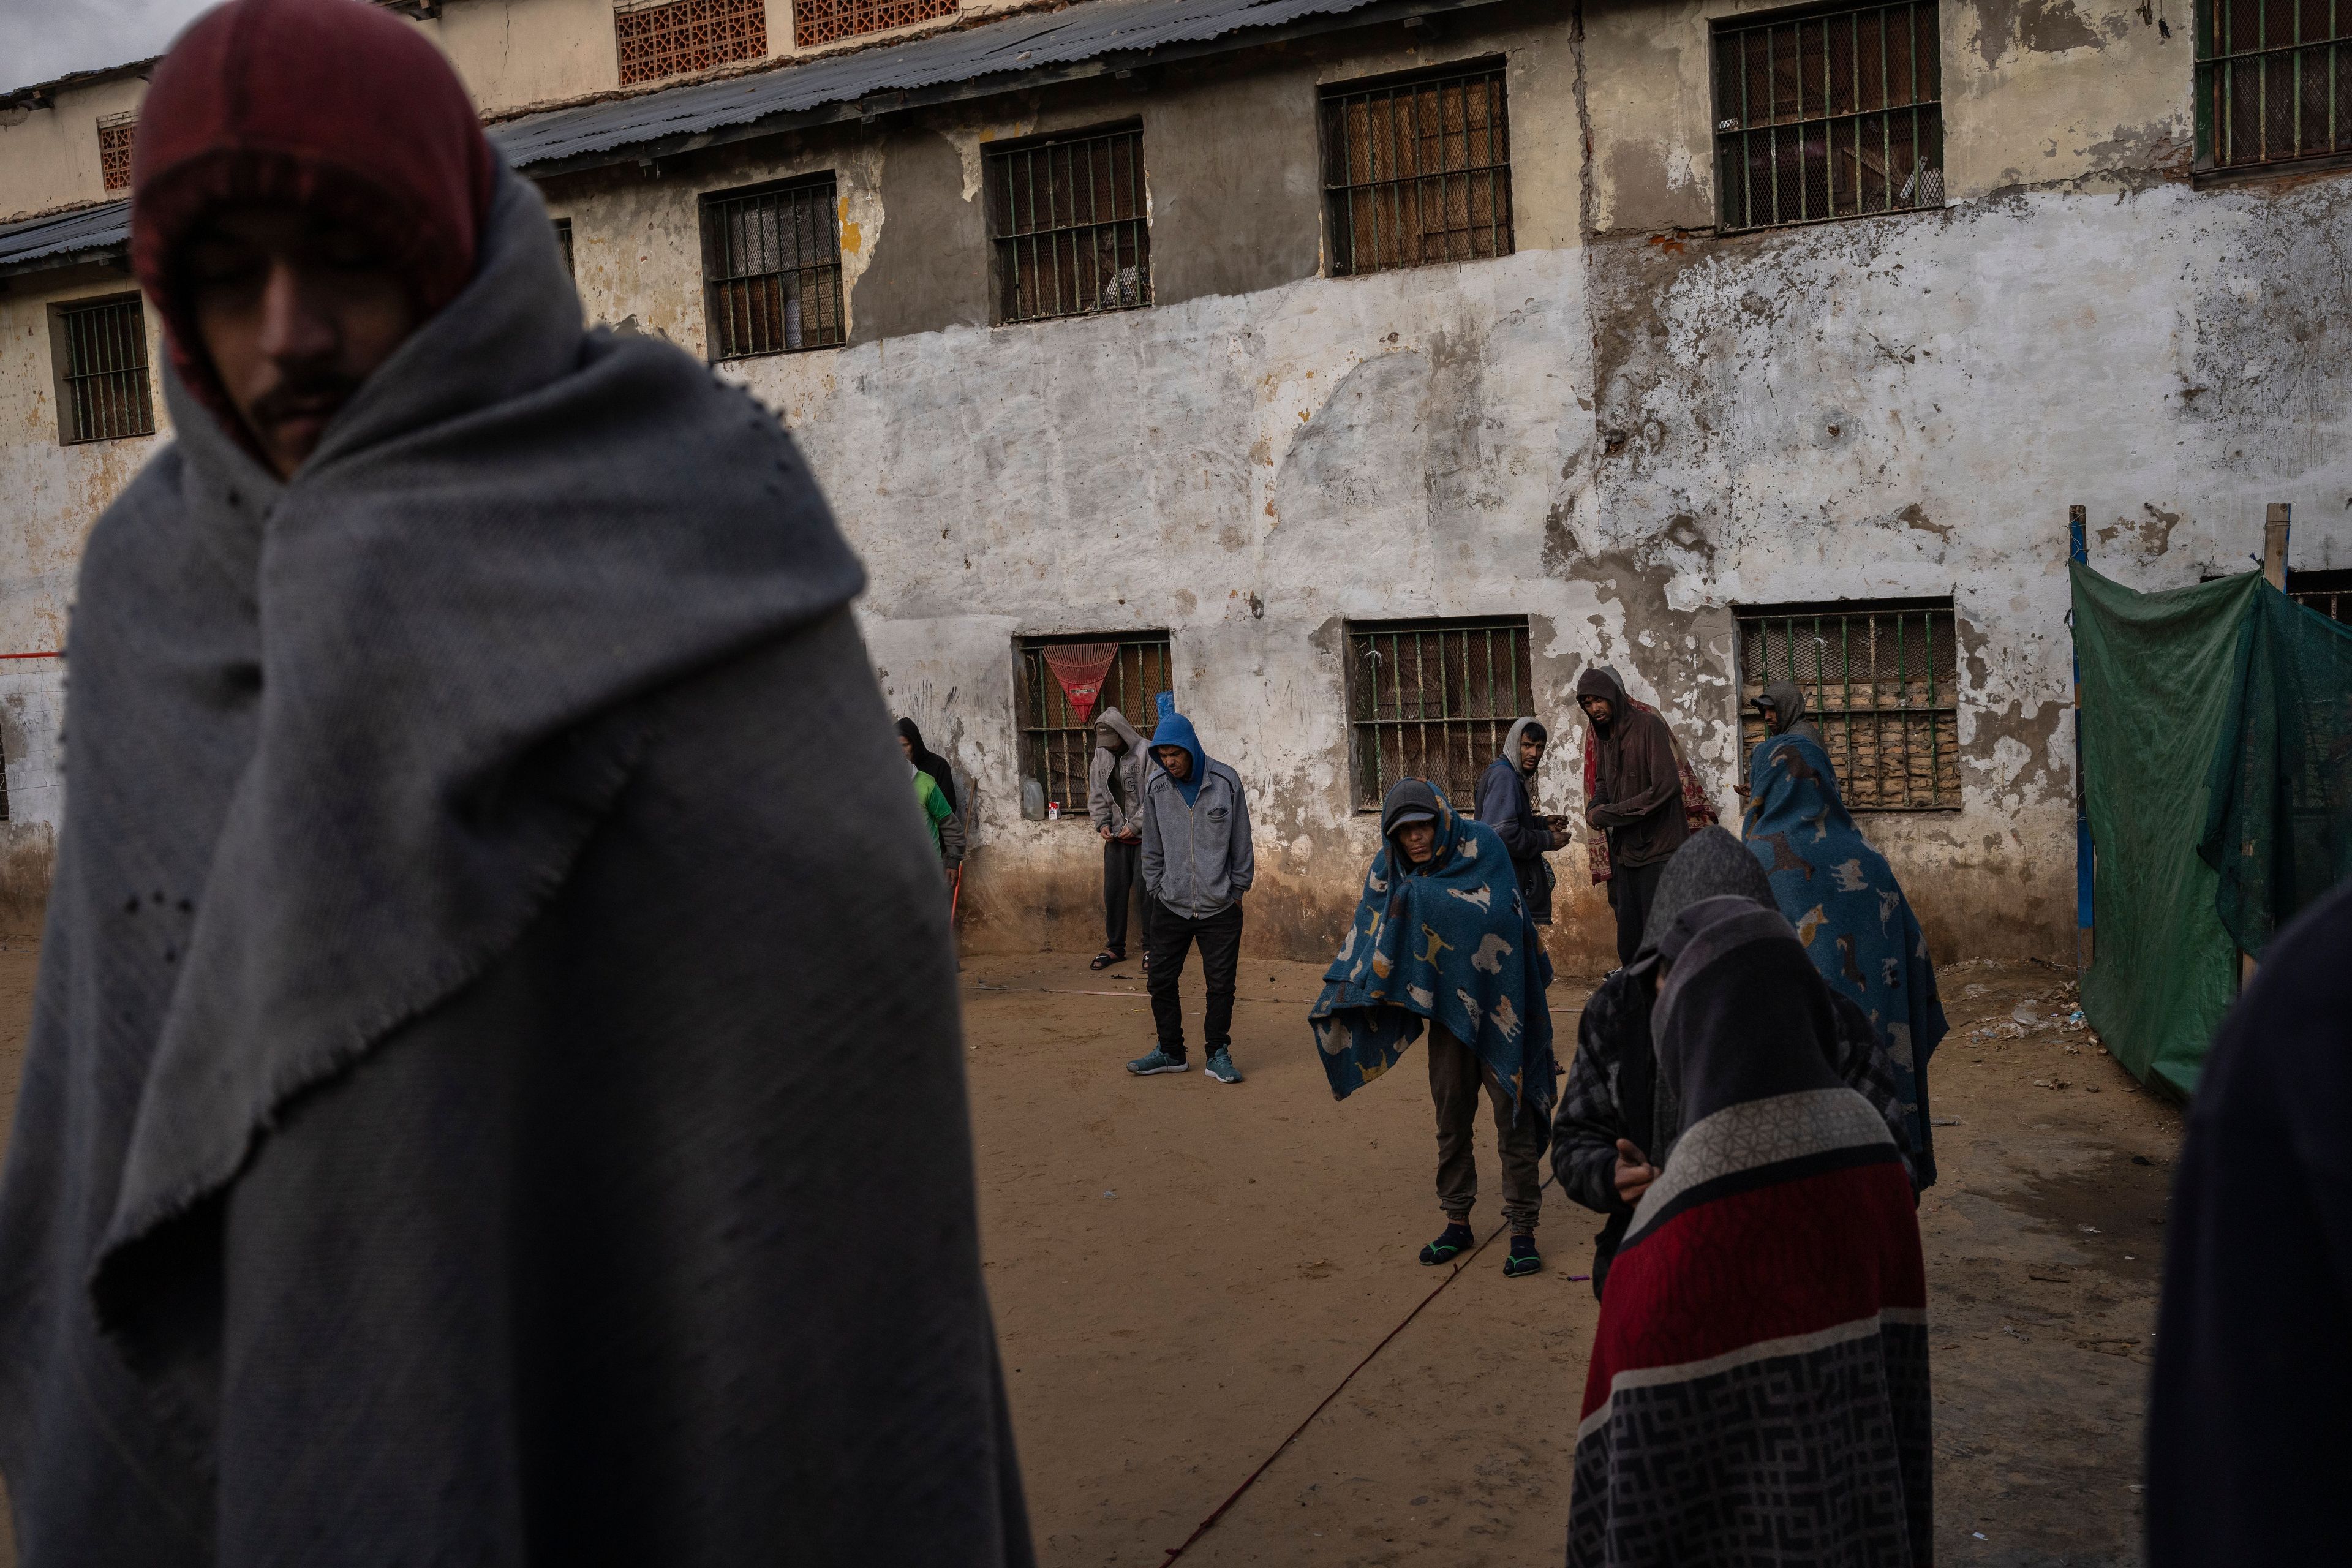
(2157, 673)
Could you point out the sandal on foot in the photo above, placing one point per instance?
(1105, 958)
(1456, 1241)
(1522, 1258)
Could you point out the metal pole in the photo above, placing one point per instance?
(2086, 863)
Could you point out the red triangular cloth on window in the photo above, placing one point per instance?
(1080, 668)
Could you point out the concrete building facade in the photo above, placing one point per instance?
(1652, 397)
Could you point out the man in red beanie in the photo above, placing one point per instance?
(489, 954)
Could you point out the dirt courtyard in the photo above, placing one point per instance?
(1183, 1270)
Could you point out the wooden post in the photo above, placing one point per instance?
(2274, 531)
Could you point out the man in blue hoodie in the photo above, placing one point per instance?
(1197, 864)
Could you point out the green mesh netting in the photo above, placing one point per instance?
(2156, 676)
(2278, 823)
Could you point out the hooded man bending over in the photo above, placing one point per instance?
(1637, 799)
(496, 1092)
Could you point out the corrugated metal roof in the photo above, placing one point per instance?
(64, 234)
(1030, 43)
(1017, 44)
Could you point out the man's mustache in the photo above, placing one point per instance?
(311, 398)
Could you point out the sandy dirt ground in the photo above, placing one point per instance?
(1183, 1270)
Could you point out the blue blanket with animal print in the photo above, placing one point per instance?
(1849, 911)
(1449, 942)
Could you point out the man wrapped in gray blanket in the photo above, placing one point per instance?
(494, 1090)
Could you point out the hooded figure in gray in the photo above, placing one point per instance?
(1783, 708)
(495, 1044)
(1506, 805)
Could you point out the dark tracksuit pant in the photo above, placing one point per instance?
(1167, 936)
(1455, 1074)
(1123, 883)
(1632, 890)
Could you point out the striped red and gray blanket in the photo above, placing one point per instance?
(1757, 1392)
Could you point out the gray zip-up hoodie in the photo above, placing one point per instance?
(1196, 853)
(1115, 779)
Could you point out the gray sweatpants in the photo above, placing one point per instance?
(1454, 1075)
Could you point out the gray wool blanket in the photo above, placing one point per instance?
(495, 1093)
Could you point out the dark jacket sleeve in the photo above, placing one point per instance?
(1649, 778)
(1502, 807)
(1588, 1124)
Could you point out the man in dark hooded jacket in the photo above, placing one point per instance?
(1505, 805)
(1637, 799)
(1615, 1121)
(495, 1094)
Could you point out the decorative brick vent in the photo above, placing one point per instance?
(821, 21)
(659, 38)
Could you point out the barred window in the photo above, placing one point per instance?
(2329, 593)
(1057, 740)
(1416, 171)
(1881, 682)
(1068, 221)
(1829, 115)
(771, 270)
(98, 348)
(666, 38)
(563, 242)
(821, 21)
(2274, 81)
(115, 134)
(1433, 699)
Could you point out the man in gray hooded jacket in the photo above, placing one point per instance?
(1114, 802)
(1197, 864)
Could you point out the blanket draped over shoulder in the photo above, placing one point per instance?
(462, 1082)
(1451, 943)
(1757, 1390)
(1850, 914)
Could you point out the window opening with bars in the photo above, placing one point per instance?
(1433, 699)
(116, 134)
(1056, 745)
(821, 21)
(1827, 116)
(102, 387)
(1071, 231)
(563, 243)
(657, 39)
(2274, 81)
(1881, 682)
(771, 270)
(2329, 593)
(1417, 172)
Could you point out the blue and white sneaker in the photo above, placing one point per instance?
(1221, 1066)
(1157, 1062)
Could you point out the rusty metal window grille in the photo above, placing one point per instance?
(1433, 699)
(657, 39)
(116, 133)
(821, 21)
(1072, 235)
(2274, 81)
(102, 388)
(771, 270)
(1056, 745)
(1829, 116)
(563, 242)
(2329, 593)
(1418, 172)
(1881, 682)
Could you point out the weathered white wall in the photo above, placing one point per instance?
(48, 157)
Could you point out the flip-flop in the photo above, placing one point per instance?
(1105, 958)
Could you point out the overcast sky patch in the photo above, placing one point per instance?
(43, 39)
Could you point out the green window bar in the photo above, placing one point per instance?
(2274, 81)
(1433, 699)
(1832, 115)
(771, 270)
(1056, 745)
(1071, 227)
(1882, 684)
(1416, 171)
(102, 387)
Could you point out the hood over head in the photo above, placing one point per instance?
(1410, 801)
(1786, 701)
(1743, 1015)
(1712, 863)
(1601, 681)
(1175, 730)
(1114, 720)
(1519, 728)
(334, 107)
